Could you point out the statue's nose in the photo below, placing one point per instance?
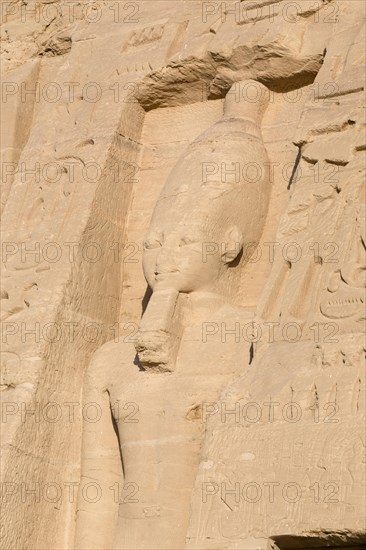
(166, 260)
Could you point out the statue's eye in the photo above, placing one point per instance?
(151, 243)
(187, 239)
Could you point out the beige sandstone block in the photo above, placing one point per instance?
(183, 249)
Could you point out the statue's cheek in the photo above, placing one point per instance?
(148, 264)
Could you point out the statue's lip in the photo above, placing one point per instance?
(160, 274)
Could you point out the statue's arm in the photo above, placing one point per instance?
(101, 469)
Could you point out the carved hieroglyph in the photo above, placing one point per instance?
(183, 257)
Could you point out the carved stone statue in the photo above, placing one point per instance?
(234, 416)
(206, 213)
(216, 205)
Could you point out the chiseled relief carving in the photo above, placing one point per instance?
(134, 126)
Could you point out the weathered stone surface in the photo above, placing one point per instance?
(183, 289)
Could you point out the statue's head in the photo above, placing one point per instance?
(208, 209)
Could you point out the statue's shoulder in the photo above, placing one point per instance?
(114, 360)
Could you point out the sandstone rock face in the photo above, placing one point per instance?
(183, 275)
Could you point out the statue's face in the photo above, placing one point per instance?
(178, 257)
(186, 243)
